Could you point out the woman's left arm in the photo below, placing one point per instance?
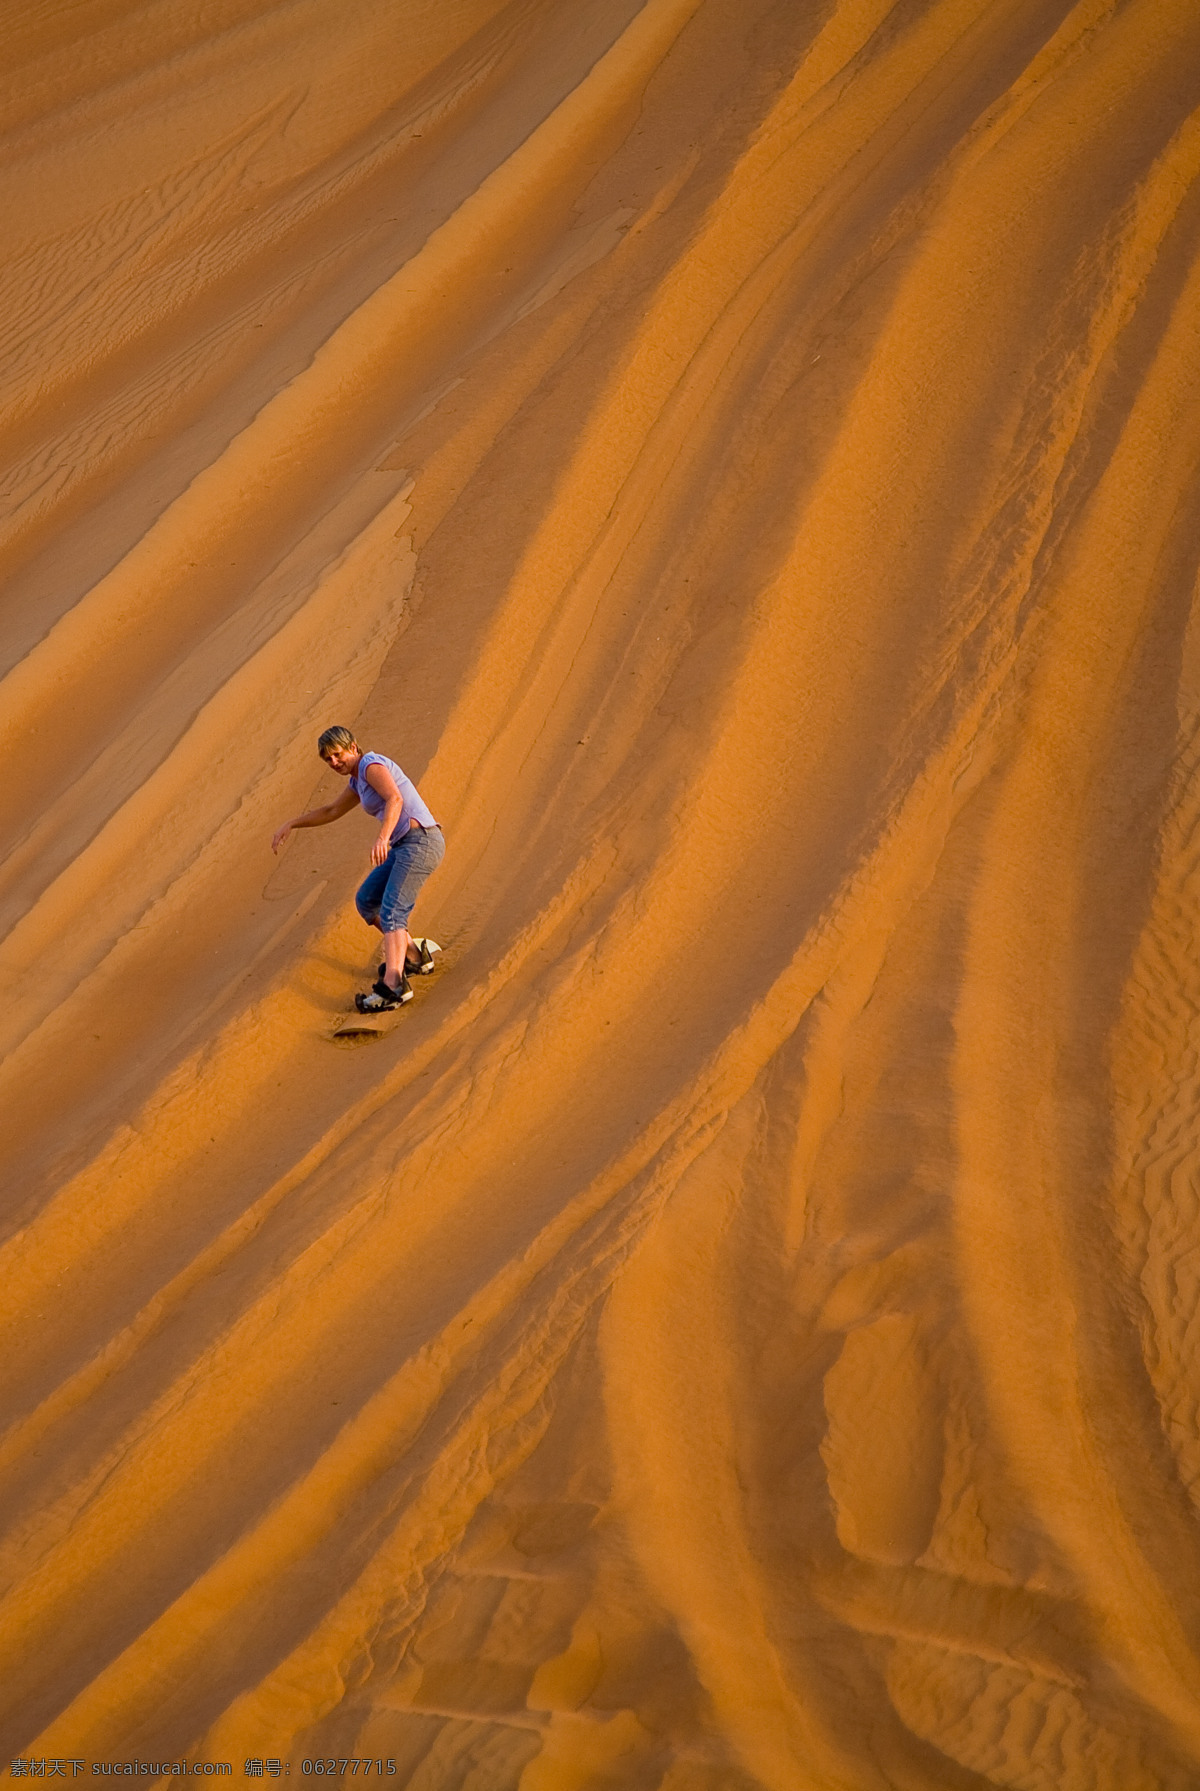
(384, 784)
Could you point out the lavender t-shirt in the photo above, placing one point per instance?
(414, 809)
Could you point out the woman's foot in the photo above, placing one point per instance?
(423, 962)
(420, 961)
(383, 998)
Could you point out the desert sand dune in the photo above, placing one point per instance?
(738, 1330)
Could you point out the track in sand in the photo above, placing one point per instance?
(740, 456)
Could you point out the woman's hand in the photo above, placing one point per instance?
(381, 848)
(317, 817)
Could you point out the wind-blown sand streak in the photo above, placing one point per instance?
(738, 1330)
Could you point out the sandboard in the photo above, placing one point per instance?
(355, 1028)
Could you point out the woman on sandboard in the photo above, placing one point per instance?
(408, 847)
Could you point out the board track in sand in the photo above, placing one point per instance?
(738, 1333)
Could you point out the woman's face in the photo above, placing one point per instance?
(343, 759)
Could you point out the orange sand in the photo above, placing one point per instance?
(740, 456)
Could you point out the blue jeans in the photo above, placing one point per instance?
(386, 896)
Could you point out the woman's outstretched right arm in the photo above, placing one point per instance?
(317, 817)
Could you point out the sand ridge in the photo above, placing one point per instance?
(737, 1331)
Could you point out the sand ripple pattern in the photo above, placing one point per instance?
(740, 1333)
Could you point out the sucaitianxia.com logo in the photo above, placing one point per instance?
(71, 1768)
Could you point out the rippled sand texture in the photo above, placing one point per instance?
(740, 1330)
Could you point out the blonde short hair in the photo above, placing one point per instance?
(335, 740)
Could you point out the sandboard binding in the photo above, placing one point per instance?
(355, 1026)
